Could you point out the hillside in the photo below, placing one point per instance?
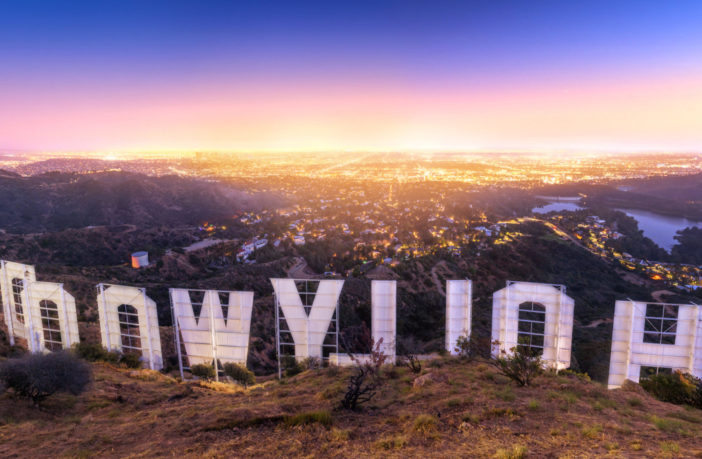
(56, 201)
(463, 409)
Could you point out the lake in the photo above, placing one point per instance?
(659, 228)
(558, 204)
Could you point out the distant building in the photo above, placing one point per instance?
(140, 260)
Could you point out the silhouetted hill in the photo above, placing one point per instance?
(55, 201)
(8, 174)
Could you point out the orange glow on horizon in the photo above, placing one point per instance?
(659, 113)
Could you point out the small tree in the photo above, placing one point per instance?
(240, 374)
(38, 376)
(290, 365)
(677, 387)
(365, 379)
(203, 371)
(472, 347)
(414, 364)
(522, 365)
(409, 348)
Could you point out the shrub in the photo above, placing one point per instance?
(464, 349)
(333, 370)
(365, 379)
(670, 448)
(38, 376)
(424, 424)
(339, 435)
(469, 417)
(314, 417)
(311, 363)
(240, 374)
(574, 374)
(592, 431)
(470, 348)
(634, 401)
(522, 365)
(94, 352)
(203, 371)
(413, 364)
(290, 365)
(388, 443)
(130, 360)
(679, 388)
(668, 425)
(517, 452)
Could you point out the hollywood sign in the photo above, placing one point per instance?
(214, 326)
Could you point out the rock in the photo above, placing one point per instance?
(431, 377)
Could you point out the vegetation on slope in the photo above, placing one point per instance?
(453, 408)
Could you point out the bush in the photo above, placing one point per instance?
(38, 376)
(290, 365)
(240, 374)
(521, 366)
(366, 379)
(463, 348)
(94, 352)
(424, 424)
(470, 348)
(413, 364)
(203, 371)
(517, 452)
(311, 363)
(130, 360)
(679, 388)
(314, 417)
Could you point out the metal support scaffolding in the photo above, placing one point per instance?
(284, 336)
(220, 341)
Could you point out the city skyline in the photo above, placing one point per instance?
(401, 76)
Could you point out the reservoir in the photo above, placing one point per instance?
(659, 228)
(558, 204)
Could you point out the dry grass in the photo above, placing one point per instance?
(469, 410)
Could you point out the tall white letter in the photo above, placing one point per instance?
(384, 316)
(211, 336)
(13, 277)
(308, 331)
(129, 322)
(458, 312)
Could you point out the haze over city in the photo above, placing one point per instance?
(180, 77)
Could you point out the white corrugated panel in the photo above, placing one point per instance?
(458, 312)
(308, 332)
(630, 351)
(39, 292)
(14, 311)
(109, 298)
(558, 325)
(384, 316)
(231, 336)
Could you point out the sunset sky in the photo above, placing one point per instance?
(176, 76)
